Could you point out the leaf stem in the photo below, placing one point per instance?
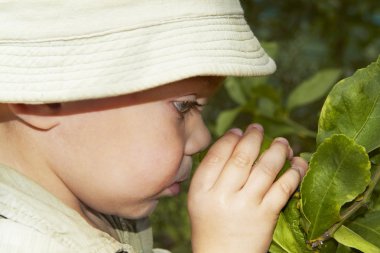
(303, 131)
(364, 198)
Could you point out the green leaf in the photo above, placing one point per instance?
(244, 89)
(263, 90)
(235, 90)
(306, 156)
(271, 48)
(368, 227)
(275, 248)
(283, 126)
(225, 120)
(343, 249)
(375, 201)
(266, 107)
(353, 108)
(338, 172)
(351, 239)
(313, 89)
(275, 127)
(288, 235)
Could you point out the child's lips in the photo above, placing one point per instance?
(175, 189)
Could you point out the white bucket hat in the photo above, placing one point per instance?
(66, 50)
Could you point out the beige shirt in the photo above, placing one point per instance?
(33, 220)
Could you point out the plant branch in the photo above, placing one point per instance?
(349, 211)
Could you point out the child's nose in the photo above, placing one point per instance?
(198, 139)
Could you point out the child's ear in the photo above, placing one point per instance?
(41, 116)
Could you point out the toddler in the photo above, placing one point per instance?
(100, 114)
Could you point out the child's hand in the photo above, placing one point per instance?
(234, 200)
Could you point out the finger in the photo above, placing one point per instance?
(213, 163)
(238, 167)
(285, 186)
(267, 167)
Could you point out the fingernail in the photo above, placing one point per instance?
(282, 140)
(236, 131)
(286, 143)
(299, 164)
(300, 170)
(291, 153)
(256, 126)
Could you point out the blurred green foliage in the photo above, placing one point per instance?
(314, 43)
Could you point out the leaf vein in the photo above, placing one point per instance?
(368, 117)
(328, 190)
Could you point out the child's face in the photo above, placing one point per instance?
(121, 155)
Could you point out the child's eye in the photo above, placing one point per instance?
(184, 107)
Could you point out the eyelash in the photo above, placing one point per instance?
(184, 107)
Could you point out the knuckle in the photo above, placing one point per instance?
(268, 170)
(212, 158)
(241, 160)
(296, 174)
(287, 188)
(222, 148)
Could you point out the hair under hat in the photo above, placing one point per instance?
(67, 50)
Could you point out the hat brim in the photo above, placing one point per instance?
(125, 61)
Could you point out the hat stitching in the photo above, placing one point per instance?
(226, 52)
(122, 35)
(123, 71)
(110, 83)
(247, 36)
(107, 91)
(126, 55)
(125, 29)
